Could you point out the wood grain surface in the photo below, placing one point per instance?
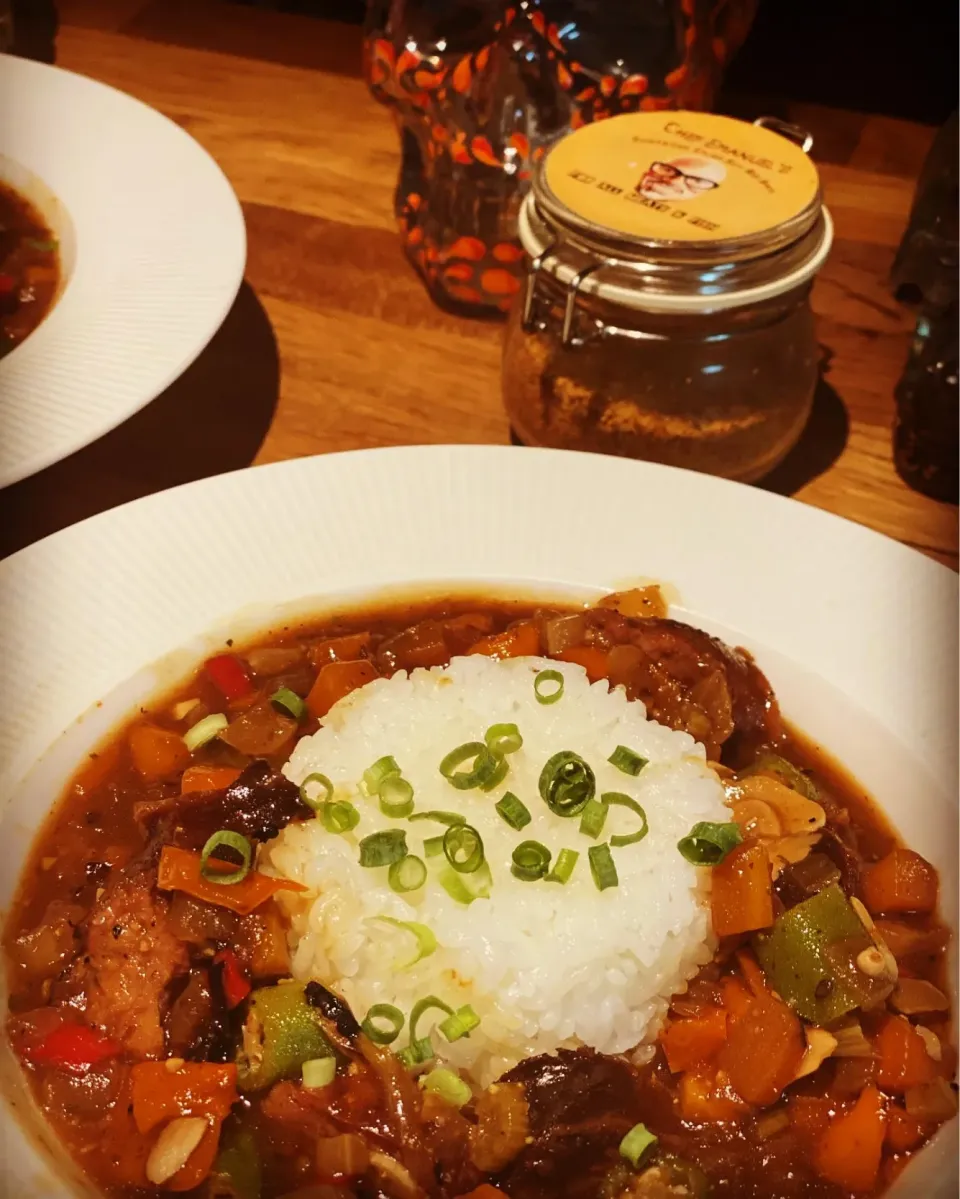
(333, 343)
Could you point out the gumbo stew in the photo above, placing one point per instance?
(29, 268)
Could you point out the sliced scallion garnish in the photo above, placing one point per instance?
(463, 848)
(420, 1009)
(205, 730)
(602, 867)
(383, 1023)
(439, 816)
(548, 686)
(626, 760)
(284, 698)
(503, 738)
(396, 797)
(531, 860)
(514, 811)
(318, 1072)
(310, 797)
(498, 775)
(567, 783)
(426, 941)
(339, 817)
(433, 847)
(226, 839)
(465, 888)
(449, 1086)
(416, 1053)
(482, 765)
(707, 844)
(563, 867)
(374, 775)
(409, 874)
(460, 1023)
(592, 818)
(383, 848)
(636, 1143)
(624, 801)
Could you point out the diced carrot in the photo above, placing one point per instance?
(708, 1098)
(336, 680)
(900, 882)
(521, 641)
(903, 1058)
(741, 896)
(810, 1114)
(763, 1049)
(904, 1132)
(157, 753)
(339, 649)
(207, 778)
(693, 1042)
(194, 1089)
(481, 621)
(849, 1151)
(594, 661)
(179, 870)
(199, 1164)
(736, 997)
(751, 972)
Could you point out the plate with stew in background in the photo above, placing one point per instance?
(122, 247)
(477, 823)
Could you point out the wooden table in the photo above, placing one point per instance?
(334, 345)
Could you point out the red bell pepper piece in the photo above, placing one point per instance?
(73, 1047)
(228, 676)
(7, 284)
(236, 986)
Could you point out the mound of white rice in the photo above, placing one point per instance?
(544, 965)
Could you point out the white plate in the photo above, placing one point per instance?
(153, 247)
(857, 633)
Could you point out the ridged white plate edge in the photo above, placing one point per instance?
(158, 249)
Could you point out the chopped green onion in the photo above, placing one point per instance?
(314, 801)
(383, 1023)
(374, 775)
(592, 818)
(319, 1072)
(409, 874)
(460, 1023)
(396, 797)
(339, 817)
(45, 245)
(498, 775)
(567, 783)
(602, 867)
(566, 860)
(433, 847)
(448, 1086)
(463, 848)
(503, 738)
(426, 941)
(484, 765)
(531, 861)
(439, 816)
(205, 730)
(465, 888)
(383, 848)
(708, 844)
(420, 1008)
(548, 686)
(636, 1143)
(626, 760)
(417, 1052)
(227, 839)
(283, 697)
(513, 811)
(624, 801)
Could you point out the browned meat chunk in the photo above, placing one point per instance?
(130, 957)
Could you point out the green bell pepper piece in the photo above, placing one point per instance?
(236, 1172)
(280, 1033)
(767, 762)
(809, 957)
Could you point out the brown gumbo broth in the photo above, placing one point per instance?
(29, 268)
(798, 1063)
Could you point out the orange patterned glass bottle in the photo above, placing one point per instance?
(479, 88)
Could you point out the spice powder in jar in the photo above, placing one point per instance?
(666, 309)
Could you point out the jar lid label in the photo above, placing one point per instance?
(680, 176)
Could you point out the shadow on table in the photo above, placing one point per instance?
(212, 419)
(820, 444)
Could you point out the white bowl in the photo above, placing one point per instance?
(856, 633)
